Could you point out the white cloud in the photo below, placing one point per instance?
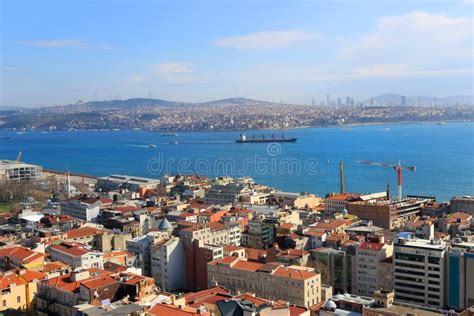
(67, 43)
(172, 68)
(57, 43)
(266, 40)
(419, 38)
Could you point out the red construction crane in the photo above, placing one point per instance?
(398, 168)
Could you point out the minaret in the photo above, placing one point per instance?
(68, 184)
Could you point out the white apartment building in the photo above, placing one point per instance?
(368, 257)
(81, 207)
(168, 264)
(76, 255)
(419, 271)
(141, 248)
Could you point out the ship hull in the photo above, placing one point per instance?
(286, 140)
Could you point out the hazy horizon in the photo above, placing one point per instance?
(55, 53)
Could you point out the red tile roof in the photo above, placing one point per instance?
(9, 279)
(72, 249)
(296, 274)
(246, 265)
(99, 282)
(371, 246)
(83, 232)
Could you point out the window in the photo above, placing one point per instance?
(18, 299)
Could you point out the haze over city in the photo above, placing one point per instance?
(56, 53)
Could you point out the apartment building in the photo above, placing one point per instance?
(336, 203)
(18, 290)
(292, 199)
(76, 255)
(260, 234)
(298, 285)
(368, 258)
(419, 276)
(141, 248)
(385, 274)
(210, 233)
(168, 264)
(81, 207)
(226, 194)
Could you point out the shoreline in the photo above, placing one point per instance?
(244, 130)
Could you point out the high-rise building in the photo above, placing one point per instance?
(460, 272)
(419, 271)
(328, 100)
(348, 101)
(313, 102)
(403, 100)
(339, 102)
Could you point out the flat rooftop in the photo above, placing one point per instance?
(422, 243)
(15, 164)
(126, 178)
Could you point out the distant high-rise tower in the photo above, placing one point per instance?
(348, 101)
(372, 101)
(403, 100)
(313, 102)
(327, 100)
(339, 102)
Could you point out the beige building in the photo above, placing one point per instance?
(210, 233)
(387, 214)
(385, 272)
(298, 285)
(368, 258)
(18, 290)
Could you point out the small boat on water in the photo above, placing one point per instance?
(152, 146)
(441, 123)
(174, 143)
(169, 134)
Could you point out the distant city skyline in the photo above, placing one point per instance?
(55, 53)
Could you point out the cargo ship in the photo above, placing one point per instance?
(262, 139)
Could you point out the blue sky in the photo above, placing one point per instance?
(56, 52)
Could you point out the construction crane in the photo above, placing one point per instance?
(398, 168)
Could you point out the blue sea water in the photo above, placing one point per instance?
(443, 156)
